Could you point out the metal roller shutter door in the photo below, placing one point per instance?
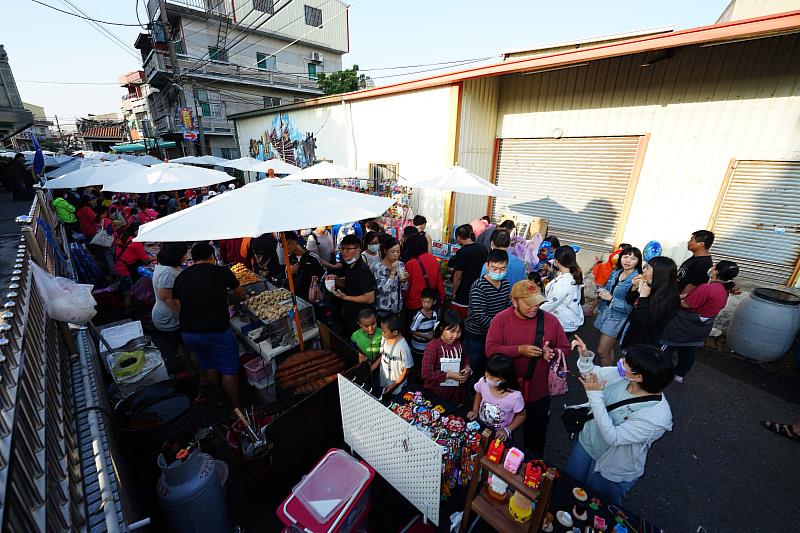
(758, 222)
(579, 184)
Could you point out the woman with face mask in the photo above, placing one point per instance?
(654, 295)
(693, 323)
(371, 253)
(629, 413)
(614, 307)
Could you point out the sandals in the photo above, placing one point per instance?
(784, 430)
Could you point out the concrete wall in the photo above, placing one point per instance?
(410, 129)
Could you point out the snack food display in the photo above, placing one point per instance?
(270, 305)
(244, 275)
(579, 494)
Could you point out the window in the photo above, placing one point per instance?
(217, 54)
(210, 104)
(313, 16)
(313, 68)
(265, 6)
(229, 153)
(266, 62)
(270, 101)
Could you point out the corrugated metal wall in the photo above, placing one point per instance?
(479, 101)
(758, 223)
(578, 184)
(702, 107)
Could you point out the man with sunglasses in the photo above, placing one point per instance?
(355, 284)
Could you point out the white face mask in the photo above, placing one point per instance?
(374, 248)
(710, 272)
(351, 261)
(493, 383)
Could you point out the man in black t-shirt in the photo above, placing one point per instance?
(694, 271)
(355, 284)
(202, 292)
(304, 265)
(466, 264)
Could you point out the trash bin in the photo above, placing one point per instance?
(764, 325)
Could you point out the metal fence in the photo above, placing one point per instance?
(41, 480)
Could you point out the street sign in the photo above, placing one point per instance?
(190, 136)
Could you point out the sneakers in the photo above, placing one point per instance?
(678, 379)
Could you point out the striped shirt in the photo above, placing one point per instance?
(425, 325)
(485, 301)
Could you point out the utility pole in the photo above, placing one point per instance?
(173, 56)
(60, 136)
(199, 114)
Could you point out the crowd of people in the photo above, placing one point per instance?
(493, 348)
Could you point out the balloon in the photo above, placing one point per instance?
(652, 249)
(575, 247)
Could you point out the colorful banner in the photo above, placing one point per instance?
(186, 118)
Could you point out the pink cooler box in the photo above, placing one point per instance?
(332, 498)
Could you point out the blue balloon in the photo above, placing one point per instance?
(575, 247)
(652, 249)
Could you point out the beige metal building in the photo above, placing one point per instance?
(638, 138)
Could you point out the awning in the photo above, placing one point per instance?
(139, 147)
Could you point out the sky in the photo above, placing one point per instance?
(45, 45)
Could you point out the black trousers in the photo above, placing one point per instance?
(535, 427)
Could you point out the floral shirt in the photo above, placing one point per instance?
(388, 290)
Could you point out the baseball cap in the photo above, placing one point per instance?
(526, 289)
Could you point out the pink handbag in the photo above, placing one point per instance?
(557, 375)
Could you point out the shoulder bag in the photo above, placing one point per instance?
(103, 238)
(575, 417)
(557, 375)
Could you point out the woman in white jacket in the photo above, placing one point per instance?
(611, 451)
(564, 293)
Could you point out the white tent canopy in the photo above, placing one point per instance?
(201, 160)
(167, 177)
(95, 173)
(266, 206)
(460, 180)
(250, 164)
(326, 171)
(142, 159)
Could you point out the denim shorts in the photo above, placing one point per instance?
(214, 351)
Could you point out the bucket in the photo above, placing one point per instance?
(257, 370)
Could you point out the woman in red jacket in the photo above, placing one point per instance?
(423, 272)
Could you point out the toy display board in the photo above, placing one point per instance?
(406, 458)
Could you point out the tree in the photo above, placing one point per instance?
(342, 81)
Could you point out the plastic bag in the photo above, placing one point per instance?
(65, 300)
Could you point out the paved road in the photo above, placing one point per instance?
(717, 468)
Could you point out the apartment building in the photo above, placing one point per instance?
(135, 106)
(234, 56)
(40, 128)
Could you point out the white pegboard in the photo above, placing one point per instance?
(409, 460)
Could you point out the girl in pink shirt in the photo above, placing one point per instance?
(497, 403)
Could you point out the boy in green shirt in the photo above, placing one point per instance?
(368, 337)
(64, 210)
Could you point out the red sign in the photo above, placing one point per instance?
(186, 118)
(190, 136)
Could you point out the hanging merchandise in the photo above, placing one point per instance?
(66, 300)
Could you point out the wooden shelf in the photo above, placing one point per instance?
(516, 481)
(496, 514)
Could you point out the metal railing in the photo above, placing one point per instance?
(41, 479)
(214, 7)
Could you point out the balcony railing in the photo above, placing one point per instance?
(215, 7)
(158, 63)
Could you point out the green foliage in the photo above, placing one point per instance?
(343, 81)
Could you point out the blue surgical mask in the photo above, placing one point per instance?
(621, 369)
(497, 276)
(374, 248)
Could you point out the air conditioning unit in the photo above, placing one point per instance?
(316, 56)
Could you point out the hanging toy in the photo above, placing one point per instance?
(652, 249)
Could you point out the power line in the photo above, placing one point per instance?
(83, 17)
(113, 38)
(69, 82)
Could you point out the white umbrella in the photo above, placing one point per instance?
(95, 173)
(326, 171)
(250, 164)
(89, 154)
(263, 207)
(201, 160)
(167, 177)
(142, 159)
(461, 180)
